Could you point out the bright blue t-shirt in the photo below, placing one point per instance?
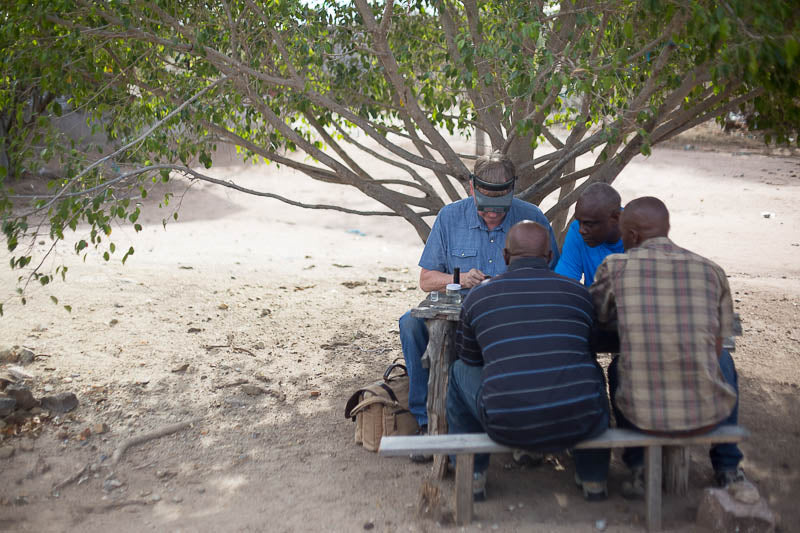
(460, 238)
(579, 259)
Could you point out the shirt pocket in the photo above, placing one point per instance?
(464, 258)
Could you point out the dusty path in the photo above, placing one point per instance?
(265, 283)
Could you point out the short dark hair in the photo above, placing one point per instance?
(602, 194)
(496, 167)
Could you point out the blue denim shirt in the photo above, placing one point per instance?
(460, 238)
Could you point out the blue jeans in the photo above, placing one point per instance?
(724, 457)
(463, 397)
(414, 340)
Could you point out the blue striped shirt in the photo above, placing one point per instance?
(529, 328)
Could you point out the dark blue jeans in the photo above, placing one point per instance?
(724, 457)
(463, 394)
(414, 340)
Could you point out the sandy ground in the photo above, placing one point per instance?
(296, 305)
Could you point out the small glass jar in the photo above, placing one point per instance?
(454, 293)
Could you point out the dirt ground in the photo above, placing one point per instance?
(260, 319)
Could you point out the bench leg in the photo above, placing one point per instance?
(465, 464)
(652, 478)
(676, 470)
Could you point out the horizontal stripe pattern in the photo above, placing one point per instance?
(529, 329)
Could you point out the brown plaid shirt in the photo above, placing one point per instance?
(669, 305)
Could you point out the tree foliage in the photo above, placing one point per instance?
(169, 82)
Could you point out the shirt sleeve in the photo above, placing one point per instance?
(725, 307)
(602, 291)
(467, 346)
(570, 262)
(434, 255)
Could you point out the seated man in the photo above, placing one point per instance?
(672, 308)
(593, 235)
(525, 373)
(468, 234)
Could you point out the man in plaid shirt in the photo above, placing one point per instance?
(671, 309)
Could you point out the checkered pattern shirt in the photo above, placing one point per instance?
(669, 306)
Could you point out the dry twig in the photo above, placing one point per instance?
(139, 439)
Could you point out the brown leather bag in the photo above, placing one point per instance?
(382, 409)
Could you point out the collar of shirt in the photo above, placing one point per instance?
(657, 242)
(529, 262)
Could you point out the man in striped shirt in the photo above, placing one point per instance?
(525, 373)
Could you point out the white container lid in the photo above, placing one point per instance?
(453, 286)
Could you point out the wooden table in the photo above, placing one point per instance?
(441, 319)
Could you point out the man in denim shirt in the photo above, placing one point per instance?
(470, 238)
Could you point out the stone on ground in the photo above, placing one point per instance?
(720, 512)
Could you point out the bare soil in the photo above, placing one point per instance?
(261, 319)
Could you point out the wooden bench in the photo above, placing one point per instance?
(675, 454)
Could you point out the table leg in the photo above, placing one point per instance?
(440, 354)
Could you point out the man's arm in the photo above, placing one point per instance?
(605, 335)
(433, 280)
(570, 264)
(467, 346)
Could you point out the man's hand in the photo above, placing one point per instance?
(472, 278)
(433, 280)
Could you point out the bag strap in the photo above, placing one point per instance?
(389, 391)
(387, 374)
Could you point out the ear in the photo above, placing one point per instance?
(549, 256)
(615, 216)
(506, 256)
(471, 189)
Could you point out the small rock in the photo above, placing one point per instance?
(177, 499)
(222, 306)
(8, 355)
(63, 402)
(6, 452)
(601, 524)
(100, 428)
(720, 512)
(315, 393)
(23, 396)
(7, 405)
(111, 484)
(369, 525)
(382, 279)
(194, 330)
(259, 345)
(165, 474)
(181, 368)
(155, 498)
(266, 312)
(113, 322)
(252, 390)
(26, 356)
(48, 388)
(767, 214)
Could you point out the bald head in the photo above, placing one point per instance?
(527, 239)
(643, 218)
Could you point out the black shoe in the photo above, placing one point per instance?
(723, 478)
(420, 457)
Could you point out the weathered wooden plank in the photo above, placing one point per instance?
(465, 464)
(439, 354)
(676, 470)
(652, 479)
(439, 311)
(611, 438)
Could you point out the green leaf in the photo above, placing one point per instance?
(54, 299)
(68, 308)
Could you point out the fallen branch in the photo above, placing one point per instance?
(112, 506)
(71, 479)
(157, 434)
(231, 384)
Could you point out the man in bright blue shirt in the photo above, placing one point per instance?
(469, 234)
(593, 235)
